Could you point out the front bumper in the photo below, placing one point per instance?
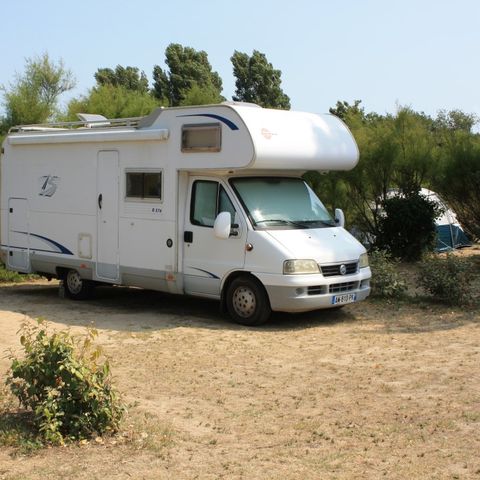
(303, 293)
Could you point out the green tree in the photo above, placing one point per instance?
(113, 102)
(415, 162)
(344, 110)
(128, 77)
(34, 96)
(161, 89)
(370, 182)
(197, 95)
(455, 121)
(257, 81)
(457, 176)
(189, 72)
(397, 152)
(458, 180)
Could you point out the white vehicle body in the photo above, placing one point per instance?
(130, 203)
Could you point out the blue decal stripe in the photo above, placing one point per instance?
(57, 245)
(210, 274)
(224, 120)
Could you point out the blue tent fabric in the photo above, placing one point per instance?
(450, 236)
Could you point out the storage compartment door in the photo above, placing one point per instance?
(18, 235)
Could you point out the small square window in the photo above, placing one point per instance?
(144, 185)
(205, 137)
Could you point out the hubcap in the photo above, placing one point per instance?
(244, 302)
(74, 282)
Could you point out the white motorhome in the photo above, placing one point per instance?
(205, 201)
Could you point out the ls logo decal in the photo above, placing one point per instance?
(49, 185)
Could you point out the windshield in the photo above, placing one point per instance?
(281, 202)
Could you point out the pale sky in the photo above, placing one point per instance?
(420, 53)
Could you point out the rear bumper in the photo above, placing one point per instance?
(303, 293)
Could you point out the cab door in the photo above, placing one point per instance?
(206, 258)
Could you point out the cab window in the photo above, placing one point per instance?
(208, 200)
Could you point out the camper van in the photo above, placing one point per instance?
(205, 200)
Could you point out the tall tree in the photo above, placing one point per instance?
(34, 96)
(457, 178)
(257, 81)
(188, 70)
(127, 77)
(396, 152)
(415, 161)
(344, 110)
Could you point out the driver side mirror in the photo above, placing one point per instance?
(222, 225)
(339, 217)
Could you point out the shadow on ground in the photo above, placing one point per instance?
(132, 309)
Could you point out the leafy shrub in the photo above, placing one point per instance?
(448, 279)
(8, 276)
(386, 280)
(62, 382)
(408, 229)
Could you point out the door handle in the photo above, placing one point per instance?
(100, 200)
(188, 237)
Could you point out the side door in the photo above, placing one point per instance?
(18, 235)
(107, 216)
(206, 258)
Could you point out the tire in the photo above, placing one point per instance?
(247, 301)
(76, 287)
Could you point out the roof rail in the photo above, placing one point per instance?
(87, 122)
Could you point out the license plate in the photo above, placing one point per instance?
(345, 298)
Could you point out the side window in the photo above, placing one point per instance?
(205, 137)
(208, 200)
(146, 186)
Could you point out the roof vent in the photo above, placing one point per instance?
(93, 120)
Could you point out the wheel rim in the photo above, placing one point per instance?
(74, 282)
(244, 302)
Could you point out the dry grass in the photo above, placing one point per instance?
(376, 390)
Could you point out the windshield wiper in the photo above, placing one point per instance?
(281, 221)
(299, 223)
(326, 223)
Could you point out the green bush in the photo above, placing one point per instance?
(386, 281)
(448, 279)
(9, 276)
(408, 228)
(61, 380)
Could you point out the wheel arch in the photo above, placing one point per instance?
(230, 278)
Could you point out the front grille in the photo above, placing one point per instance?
(343, 287)
(333, 270)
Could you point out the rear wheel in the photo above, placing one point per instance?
(76, 287)
(247, 301)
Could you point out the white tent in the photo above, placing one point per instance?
(450, 234)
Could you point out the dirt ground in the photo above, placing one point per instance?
(376, 390)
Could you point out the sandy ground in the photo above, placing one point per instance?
(376, 390)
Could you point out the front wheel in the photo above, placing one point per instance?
(247, 301)
(76, 287)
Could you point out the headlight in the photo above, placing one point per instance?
(363, 260)
(298, 267)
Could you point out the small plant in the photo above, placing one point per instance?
(61, 381)
(448, 279)
(386, 281)
(8, 276)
